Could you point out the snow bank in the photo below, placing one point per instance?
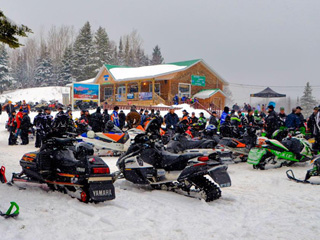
(35, 94)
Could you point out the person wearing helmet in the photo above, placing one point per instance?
(202, 121)
(25, 125)
(112, 128)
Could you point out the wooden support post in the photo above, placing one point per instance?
(126, 93)
(153, 90)
(114, 93)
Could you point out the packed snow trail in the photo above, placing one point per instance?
(258, 205)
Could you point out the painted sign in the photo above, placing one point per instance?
(198, 80)
(145, 96)
(86, 91)
(130, 96)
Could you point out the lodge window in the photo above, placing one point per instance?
(156, 88)
(133, 89)
(108, 92)
(184, 90)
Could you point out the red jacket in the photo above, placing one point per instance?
(19, 117)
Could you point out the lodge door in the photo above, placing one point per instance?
(121, 93)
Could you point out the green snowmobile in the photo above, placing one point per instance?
(287, 152)
(313, 172)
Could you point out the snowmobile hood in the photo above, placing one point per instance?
(277, 144)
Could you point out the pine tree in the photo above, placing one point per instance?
(307, 101)
(5, 75)
(156, 56)
(19, 72)
(141, 58)
(83, 64)
(127, 52)
(103, 53)
(64, 75)
(121, 60)
(9, 31)
(44, 71)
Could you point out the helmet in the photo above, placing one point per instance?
(84, 148)
(110, 124)
(211, 127)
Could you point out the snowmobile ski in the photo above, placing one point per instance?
(291, 176)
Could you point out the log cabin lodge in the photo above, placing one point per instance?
(158, 84)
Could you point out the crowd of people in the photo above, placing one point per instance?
(19, 123)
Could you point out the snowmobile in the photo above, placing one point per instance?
(182, 143)
(147, 163)
(313, 172)
(241, 146)
(111, 143)
(68, 168)
(287, 152)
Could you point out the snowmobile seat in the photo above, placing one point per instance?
(64, 141)
(171, 161)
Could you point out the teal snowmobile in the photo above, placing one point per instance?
(287, 152)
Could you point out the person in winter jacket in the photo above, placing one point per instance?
(248, 119)
(159, 117)
(115, 116)
(300, 116)
(19, 117)
(144, 118)
(12, 123)
(9, 108)
(185, 116)
(38, 122)
(24, 126)
(226, 127)
(272, 121)
(312, 120)
(24, 106)
(224, 115)
(202, 121)
(97, 121)
(193, 118)
(292, 120)
(213, 119)
(133, 118)
(282, 117)
(122, 119)
(171, 119)
(106, 117)
(61, 123)
(316, 132)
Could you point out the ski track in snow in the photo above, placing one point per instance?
(259, 205)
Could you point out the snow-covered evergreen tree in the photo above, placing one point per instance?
(19, 72)
(141, 59)
(44, 72)
(83, 66)
(115, 59)
(5, 75)
(307, 101)
(103, 53)
(65, 76)
(156, 56)
(121, 59)
(127, 52)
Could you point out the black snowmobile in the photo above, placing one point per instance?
(147, 163)
(181, 142)
(313, 172)
(68, 168)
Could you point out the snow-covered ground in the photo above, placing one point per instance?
(259, 205)
(35, 94)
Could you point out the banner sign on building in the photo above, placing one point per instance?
(198, 80)
(145, 96)
(86, 91)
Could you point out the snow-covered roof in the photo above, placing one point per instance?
(123, 73)
(91, 80)
(204, 94)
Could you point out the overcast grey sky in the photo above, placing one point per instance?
(270, 42)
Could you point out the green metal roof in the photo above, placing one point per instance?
(186, 63)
